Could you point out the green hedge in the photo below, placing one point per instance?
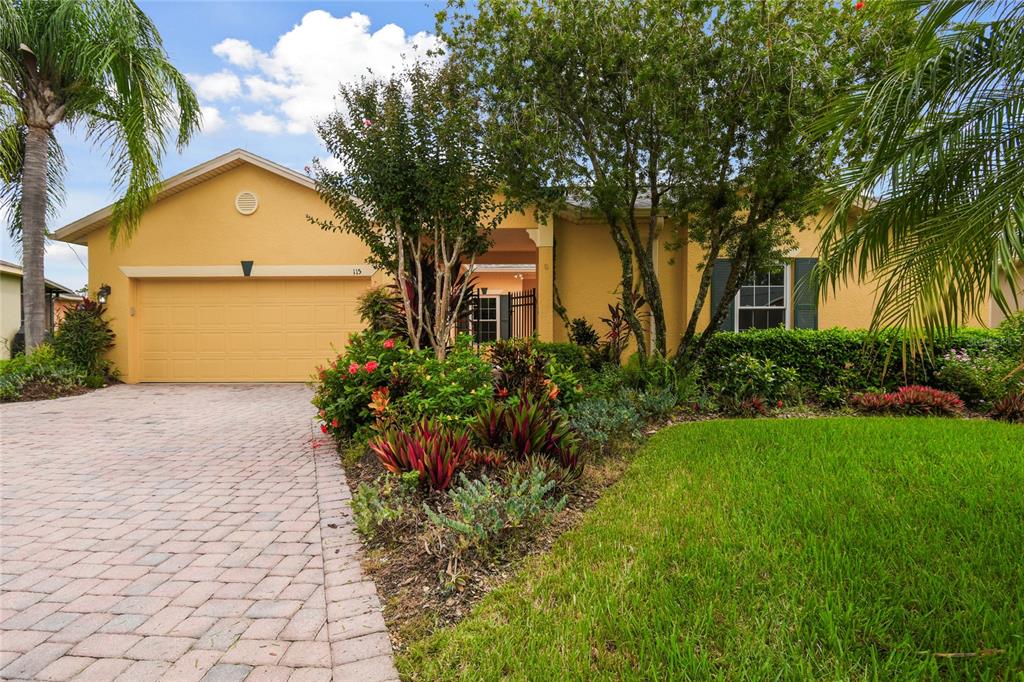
(838, 357)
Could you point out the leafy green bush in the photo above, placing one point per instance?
(84, 336)
(746, 377)
(582, 333)
(451, 390)
(380, 308)
(568, 355)
(522, 366)
(1011, 337)
(45, 373)
(486, 511)
(979, 379)
(837, 357)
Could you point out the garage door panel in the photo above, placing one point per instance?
(243, 330)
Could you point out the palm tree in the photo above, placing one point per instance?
(939, 139)
(98, 64)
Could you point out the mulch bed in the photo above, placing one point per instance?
(424, 584)
(44, 390)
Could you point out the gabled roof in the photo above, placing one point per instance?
(51, 286)
(76, 231)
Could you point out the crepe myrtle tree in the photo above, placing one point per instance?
(417, 185)
(692, 108)
(100, 66)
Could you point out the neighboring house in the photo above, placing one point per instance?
(227, 280)
(58, 299)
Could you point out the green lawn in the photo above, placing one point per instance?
(774, 549)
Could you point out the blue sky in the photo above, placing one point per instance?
(264, 71)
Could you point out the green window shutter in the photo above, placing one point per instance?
(805, 294)
(719, 278)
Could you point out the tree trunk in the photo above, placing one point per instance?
(33, 227)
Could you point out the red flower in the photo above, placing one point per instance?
(779, 404)
(502, 392)
(353, 368)
(389, 344)
(859, 5)
(371, 365)
(323, 427)
(334, 423)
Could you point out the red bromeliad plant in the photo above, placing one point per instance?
(910, 400)
(490, 426)
(430, 448)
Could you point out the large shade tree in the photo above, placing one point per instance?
(98, 66)
(939, 141)
(648, 109)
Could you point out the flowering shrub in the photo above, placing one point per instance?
(979, 378)
(909, 400)
(520, 366)
(434, 450)
(349, 394)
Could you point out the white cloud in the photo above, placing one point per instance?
(298, 79)
(237, 52)
(215, 86)
(212, 120)
(261, 122)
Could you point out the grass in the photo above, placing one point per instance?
(855, 548)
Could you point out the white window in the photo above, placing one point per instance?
(486, 325)
(763, 300)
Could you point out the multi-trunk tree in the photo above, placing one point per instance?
(690, 110)
(417, 185)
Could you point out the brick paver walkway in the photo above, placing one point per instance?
(180, 533)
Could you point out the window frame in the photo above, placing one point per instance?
(787, 297)
(476, 320)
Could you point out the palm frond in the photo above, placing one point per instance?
(943, 132)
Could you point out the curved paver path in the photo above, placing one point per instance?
(180, 532)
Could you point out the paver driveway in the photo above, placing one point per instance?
(180, 532)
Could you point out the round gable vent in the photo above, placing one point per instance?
(246, 203)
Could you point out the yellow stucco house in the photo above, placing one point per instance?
(226, 279)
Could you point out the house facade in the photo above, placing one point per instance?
(227, 280)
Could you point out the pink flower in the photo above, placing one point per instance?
(371, 365)
(367, 123)
(353, 368)
(389, 344)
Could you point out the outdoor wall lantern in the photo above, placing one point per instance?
(102, 293)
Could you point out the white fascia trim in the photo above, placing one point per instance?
(201, 271)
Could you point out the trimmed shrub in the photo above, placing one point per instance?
(747, 377)
(838, 357)
(909, 400)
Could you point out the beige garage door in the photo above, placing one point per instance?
(243, 329)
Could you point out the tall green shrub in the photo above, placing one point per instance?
(84, 337)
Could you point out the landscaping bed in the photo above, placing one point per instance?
(808, 548)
